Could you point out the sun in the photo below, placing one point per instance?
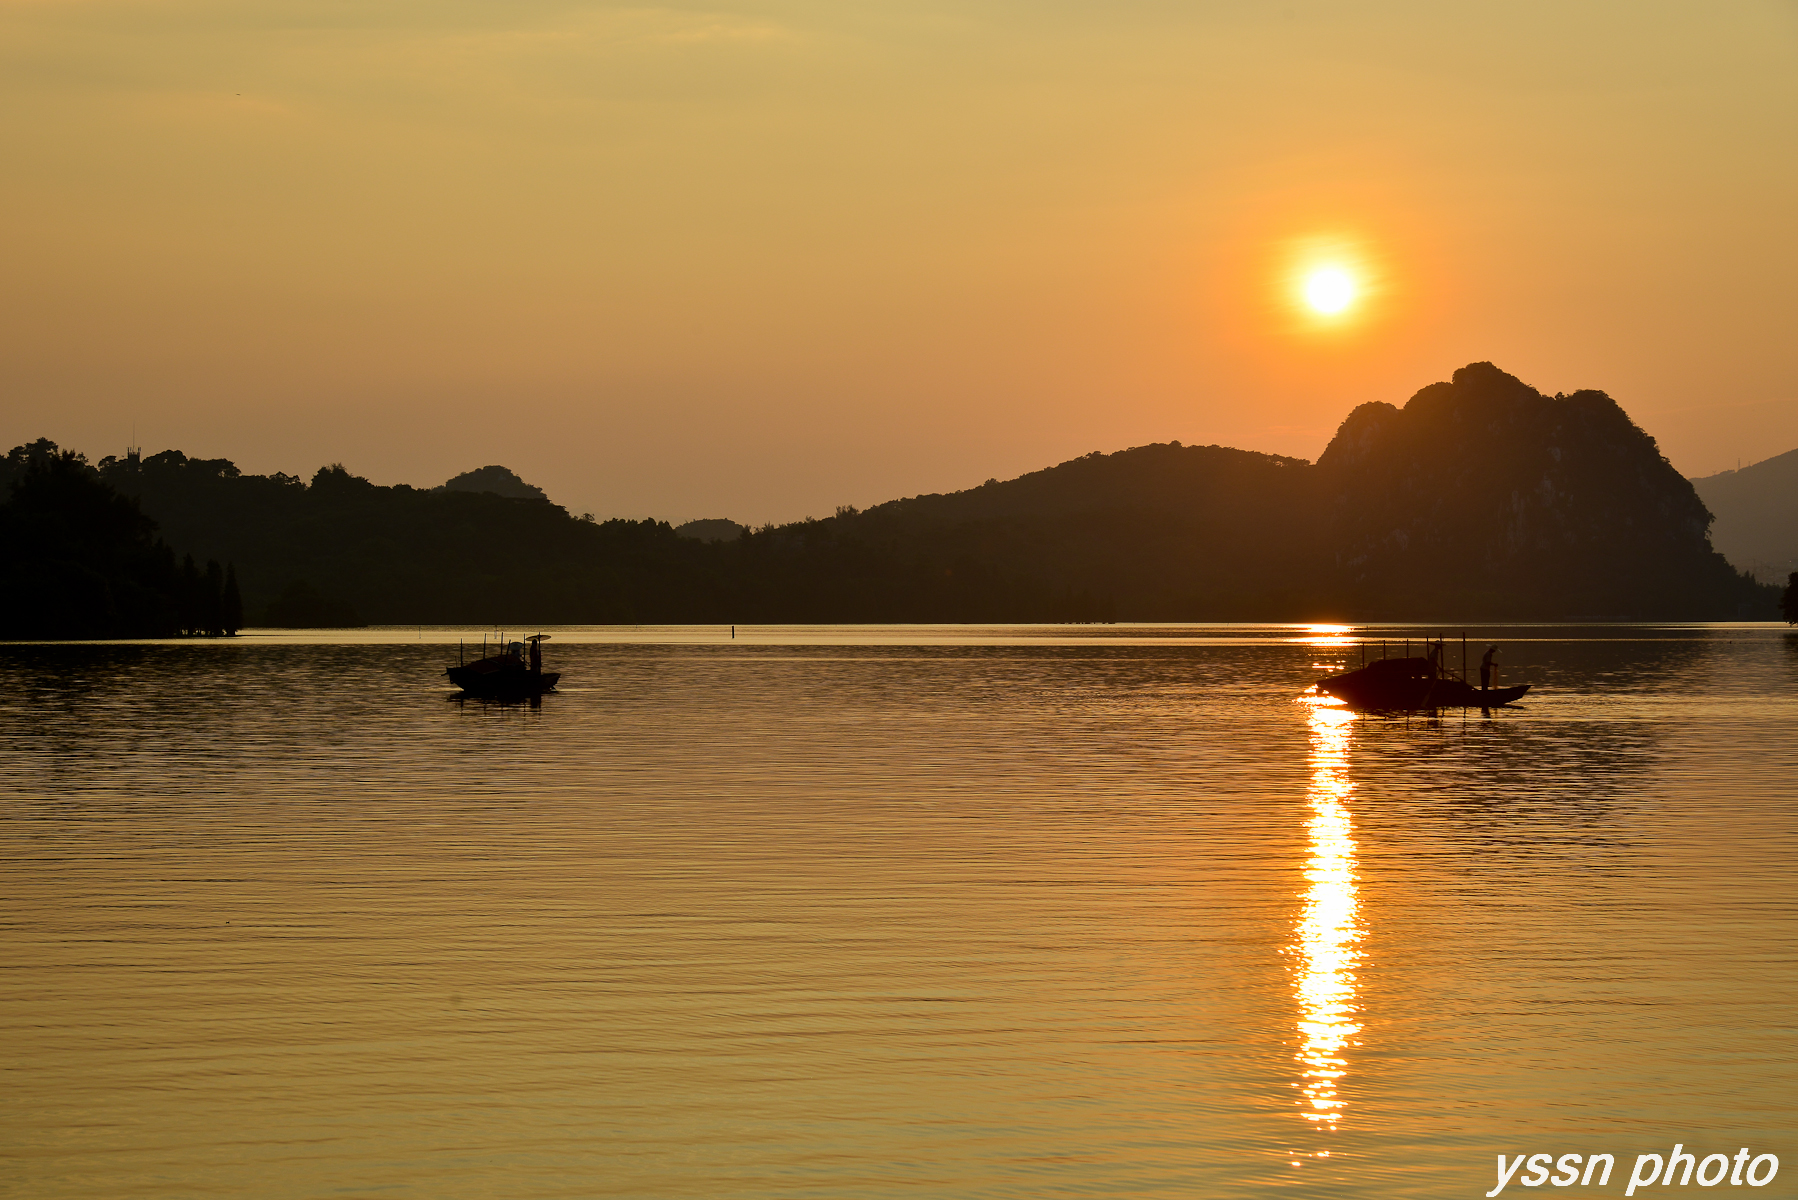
(1328, 287)
(1329, 290)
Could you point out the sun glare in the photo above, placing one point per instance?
(1329, 290)
(1328, 931)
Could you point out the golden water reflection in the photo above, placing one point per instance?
(1328, 928)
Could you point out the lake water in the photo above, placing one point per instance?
(1100, 911)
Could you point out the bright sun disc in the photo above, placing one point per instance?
(1329, 290)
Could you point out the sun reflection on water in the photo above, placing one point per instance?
(1328, 928)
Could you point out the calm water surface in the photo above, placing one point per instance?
(1037, 912)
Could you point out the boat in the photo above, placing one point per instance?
(517, 670)
(1412, 684)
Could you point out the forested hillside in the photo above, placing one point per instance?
(356, 552)
(1161, 532)
(80, 560)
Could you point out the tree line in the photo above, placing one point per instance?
(1480, 499)
(83, 561)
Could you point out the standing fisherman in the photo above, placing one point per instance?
(1486, 666)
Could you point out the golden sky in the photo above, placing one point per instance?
(759, 259)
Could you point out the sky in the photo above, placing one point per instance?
(761, 259)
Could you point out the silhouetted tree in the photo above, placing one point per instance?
(213, 599)
(80, 560)
(1788, 603)
(192, 602)
(231, 604)
(20, 459)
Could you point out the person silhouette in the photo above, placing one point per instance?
(1486, 667)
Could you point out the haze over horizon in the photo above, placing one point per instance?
(758, 260)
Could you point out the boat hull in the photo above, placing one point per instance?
(505, 681)
(1409, 685)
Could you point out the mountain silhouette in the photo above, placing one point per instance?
(1158, 532)
(496, 479)
(1484, 495)
(1479, 499)
(712, 530)
(1757, 516)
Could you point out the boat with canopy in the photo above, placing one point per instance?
(1412, 683)
(516, 670)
